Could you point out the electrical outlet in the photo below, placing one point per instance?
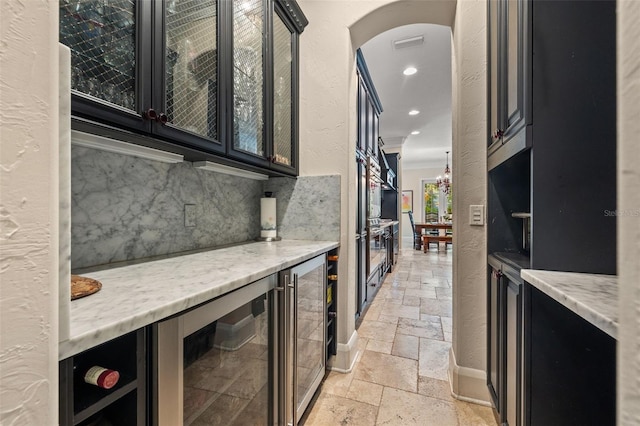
(189, 215)
(476, 215)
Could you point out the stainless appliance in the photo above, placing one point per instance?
(361, 235)
(388, 241)
(375, 189)
(377, 252)
(215, 364)
(396, 243)
(375, 233)
(303, 345)
(254, 356)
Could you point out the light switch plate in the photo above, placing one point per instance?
(189, 215)
(476, 215)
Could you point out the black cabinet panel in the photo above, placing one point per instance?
(574, 134)
(505, 342)
(494, 314)
(572, 365)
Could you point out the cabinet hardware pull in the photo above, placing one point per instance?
(162, 118)
(498, 134)
(150, 114)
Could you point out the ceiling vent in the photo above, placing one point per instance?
(408, 42)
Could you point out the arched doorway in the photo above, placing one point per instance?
(328, 125)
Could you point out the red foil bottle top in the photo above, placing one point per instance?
(102, 377)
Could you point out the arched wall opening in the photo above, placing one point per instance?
(328, 87)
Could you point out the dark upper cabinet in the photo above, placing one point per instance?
(249, 74)
(284, 153)
(361, 143)
(369, 110)
(186, 94)
(555, 157)
(509, 78)
(376, 135)
(264, 98)
(110, 59)
(210, 79)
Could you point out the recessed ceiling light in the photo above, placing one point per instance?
(414, 112)
(415, 132)
(410, 71)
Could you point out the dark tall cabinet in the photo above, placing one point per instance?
(368, 170)
(563, 106)
(551, 148)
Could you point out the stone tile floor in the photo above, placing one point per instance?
(400, 374)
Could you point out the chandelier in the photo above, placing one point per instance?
(444, 183)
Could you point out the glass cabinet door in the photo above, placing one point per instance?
(103, 36)
(248, 81)
(495, 124)
(189, 90)
(283, 90)
(515, 17)
(362, 116)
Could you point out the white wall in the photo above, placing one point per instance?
(28, 212)
(629, 205)
(468, 354)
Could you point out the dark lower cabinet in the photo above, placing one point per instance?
(546, 365)
(571, 367)
(505, 342)
(124, 404)
(513, 350)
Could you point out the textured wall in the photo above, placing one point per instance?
(629, 206)
(469, 187)
(28, 212)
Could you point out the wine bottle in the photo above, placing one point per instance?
(102, 377)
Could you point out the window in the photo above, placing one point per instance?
(437, 206)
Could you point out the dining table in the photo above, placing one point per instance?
(442, 228)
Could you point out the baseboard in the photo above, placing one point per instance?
(468, 384)
(345, 358)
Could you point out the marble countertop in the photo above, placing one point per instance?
(137, 295)
(591, 296)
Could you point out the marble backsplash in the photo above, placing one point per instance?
(308, 208)
(127, 208)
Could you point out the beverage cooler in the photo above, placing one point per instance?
(254, 356)
(303, 344)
